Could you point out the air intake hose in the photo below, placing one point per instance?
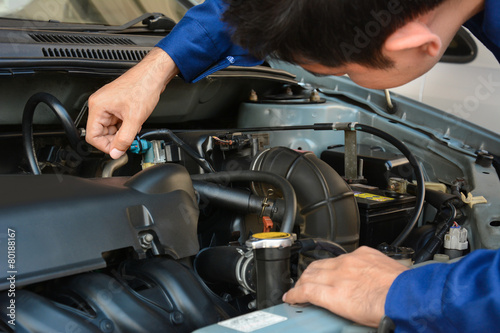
(327, 206)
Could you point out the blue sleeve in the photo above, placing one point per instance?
(459, 297)
(200, 44)
(486, 26)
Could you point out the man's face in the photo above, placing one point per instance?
(407, 67)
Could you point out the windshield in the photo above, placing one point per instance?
(107, 12)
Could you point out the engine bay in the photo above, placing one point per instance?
(232, 187)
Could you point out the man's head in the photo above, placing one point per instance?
(371, 40)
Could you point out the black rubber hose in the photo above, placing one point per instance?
(226, 177)
(219, 264)
(314, 244)
(436, 198)
(27, 126)
(238, 199)
(418, 174)
(434, 243)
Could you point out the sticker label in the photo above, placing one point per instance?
(371, 196)
(252, 321)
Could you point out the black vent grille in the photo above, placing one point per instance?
(100, 54)
(80, 39)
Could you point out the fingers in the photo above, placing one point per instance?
(123, 138)
(310, 293)
(100, 132)
(343, 297)
(118, 110)
(317, 281)
(320, 272)
(108, 132)
(111, 129)
(329, 296)
(112, 123)
(352, 285)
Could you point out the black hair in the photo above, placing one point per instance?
(329, 32)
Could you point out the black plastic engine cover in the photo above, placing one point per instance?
(64, 224)
(149, 295)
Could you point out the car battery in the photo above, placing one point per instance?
(383, 214)
(378, 165)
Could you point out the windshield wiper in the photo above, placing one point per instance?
(150, 21)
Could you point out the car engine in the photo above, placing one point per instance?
(234, 185)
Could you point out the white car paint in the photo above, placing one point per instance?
(470, 91)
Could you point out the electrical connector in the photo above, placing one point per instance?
(140, 146)
(456, 239)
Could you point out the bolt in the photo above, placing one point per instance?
(314, 96)
(252, 305)
(146, 240)
(106, 326)
(253, 96)
(176, 318)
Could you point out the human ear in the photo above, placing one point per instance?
(414, 35)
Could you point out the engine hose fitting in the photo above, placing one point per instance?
(317, 244)
(272, 251)
(266, 177)
(227, 264)
(434, 243)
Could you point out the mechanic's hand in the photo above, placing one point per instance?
(118, 110)
(352, 285)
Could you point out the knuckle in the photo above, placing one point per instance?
(363, 249)
(308, 290)
(92, 100)
(310, 271)
(314, 265)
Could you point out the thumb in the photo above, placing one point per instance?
(292, 297)
(123, 139)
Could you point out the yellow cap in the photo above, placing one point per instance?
(271, 235)
(270, 240)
